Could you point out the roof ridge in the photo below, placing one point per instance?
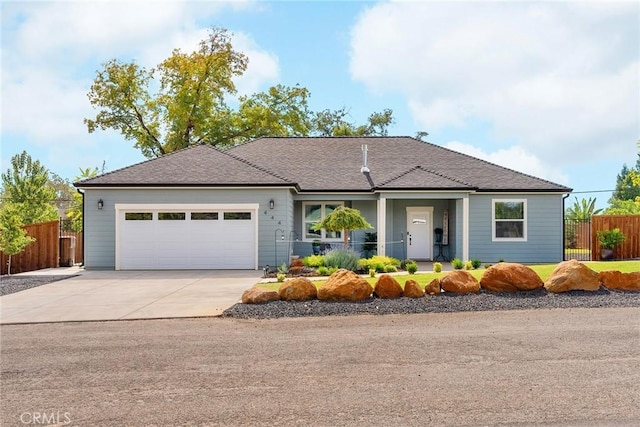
(260, 168)
(418, 167)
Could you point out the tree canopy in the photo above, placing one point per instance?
(186, 100)
(27, 183)
(13, 237)
(343, 219)
(626, 196)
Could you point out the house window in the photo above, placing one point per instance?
(171, 216)
(314, 212)
(237, 216)
(138, 216)
(510, 220)
(204, 216)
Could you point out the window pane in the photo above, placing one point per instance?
(138, 216)
(313, 213)
(510, 229)
(202, 216)
(171, 216)
(237, 215)
(333, 234)
(509, 210)
(309, 233)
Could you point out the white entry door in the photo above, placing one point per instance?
(419, 233)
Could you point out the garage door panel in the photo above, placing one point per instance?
(210, 242)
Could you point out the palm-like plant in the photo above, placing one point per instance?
(582, 210)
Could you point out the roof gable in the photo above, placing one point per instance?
(420, 178)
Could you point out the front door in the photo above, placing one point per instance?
(419, 238)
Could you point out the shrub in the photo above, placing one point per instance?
(323, 271)
(411, 267)
(457, 263)
(476, 263)
(332, 270)
(487, 265)
(281, 277)
(437, 267)
(468, 265)
(313, 261)
(283, 269)
(372, 272)
(390, 269)
(342, 258)
(378, 262)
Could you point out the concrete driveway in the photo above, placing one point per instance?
(119, 295)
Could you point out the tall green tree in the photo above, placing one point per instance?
(625, 188)
(582, 210)
(13, 237)
(343, 219)
(27, 183)
(186, 100)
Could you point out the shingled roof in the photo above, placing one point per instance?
(328, 164)
(200, 165)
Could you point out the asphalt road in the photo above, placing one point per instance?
(544, 367)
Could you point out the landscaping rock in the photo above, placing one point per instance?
(612, 279)
(510, 277)
(412, 289)
(298, 289)
(433, 288)
(387, 287)
(459, 282)
(259, 296)
(572, 276)
(345, 285)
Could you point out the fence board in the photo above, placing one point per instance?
(43, 253)
(628, 224)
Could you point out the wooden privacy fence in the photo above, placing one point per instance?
(43, 253)
(628, 224)
(53, 247)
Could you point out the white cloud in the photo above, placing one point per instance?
(51, 51)
(516, 158)
(560, 79)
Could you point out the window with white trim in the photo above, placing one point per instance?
(314, 212)
(509, 222)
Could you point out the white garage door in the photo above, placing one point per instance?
(186, 237)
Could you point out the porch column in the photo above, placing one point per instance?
(382, 225)
(465, 227)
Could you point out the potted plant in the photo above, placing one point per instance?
(609, 240)
(315, 245)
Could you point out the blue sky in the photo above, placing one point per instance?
(548, 88)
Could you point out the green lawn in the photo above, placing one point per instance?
(543, 270)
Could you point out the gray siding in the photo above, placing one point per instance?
(544, 230)
(100, 224)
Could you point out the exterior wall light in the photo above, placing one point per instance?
(272, 204)
(100, 204)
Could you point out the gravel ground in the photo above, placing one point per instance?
(13, 284)
(443, 303)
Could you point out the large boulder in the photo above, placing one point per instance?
(387, 287)
(572, 276)
(259, 296)
(412, 289)
(459, 282)
(510, 277)
(433, 287)
(298, 289)
(612, 279)
(345, 285)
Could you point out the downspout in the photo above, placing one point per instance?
(83, 232)
(564, 226)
